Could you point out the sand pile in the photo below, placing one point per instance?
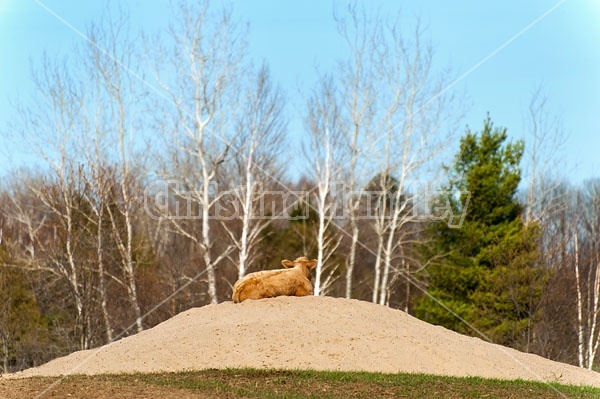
(310, 333)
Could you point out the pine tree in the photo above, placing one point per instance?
(484, 272)
(23, 329)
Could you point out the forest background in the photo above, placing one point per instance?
(162, 177)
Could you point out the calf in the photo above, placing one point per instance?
(294, 280)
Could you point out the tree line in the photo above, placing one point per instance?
(163, 180)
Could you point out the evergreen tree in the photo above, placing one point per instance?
(23, 329)
(484, 271)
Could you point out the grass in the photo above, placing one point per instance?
(250, 383)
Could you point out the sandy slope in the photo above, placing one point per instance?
(310, 333)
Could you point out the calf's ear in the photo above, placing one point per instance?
(311, 264)
(287, 263)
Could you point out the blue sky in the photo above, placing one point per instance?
(560, 53)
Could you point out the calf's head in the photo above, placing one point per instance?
(301, 263)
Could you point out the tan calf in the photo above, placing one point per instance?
(292, 281)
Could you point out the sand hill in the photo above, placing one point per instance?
(310, 333)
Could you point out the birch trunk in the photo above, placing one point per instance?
(203, 103)
(324, 152)
(351, 259)
(261, 128)
(580, 326)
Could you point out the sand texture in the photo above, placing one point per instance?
(320, 333)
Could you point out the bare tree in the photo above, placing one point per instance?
(412, 124)
(356, 113)
(586, 238)
(54, 125)
(60, 197)
(112, 58)
(397, 112)
(261, 128)
(83, 126)
(545, 142)
(97, 196)
(547, 206)
(202, 76)
(389, 106)
(324, 154)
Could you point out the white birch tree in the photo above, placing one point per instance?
(324, 155)
(201, 76)
(260, 132)
(393, 115)
(586, 238)
(412, 124)
(112, 64)
(53, 126)
(88, 142)
(395, 111)
(356, 113)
